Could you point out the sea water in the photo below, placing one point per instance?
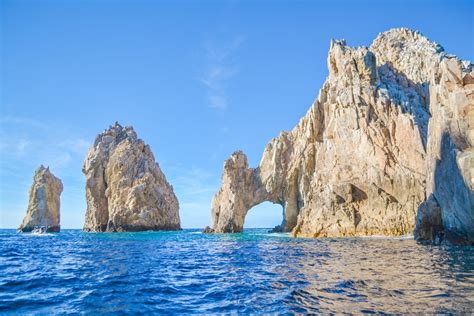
(252, 272)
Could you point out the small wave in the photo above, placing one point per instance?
(278, 235)
(40, 235)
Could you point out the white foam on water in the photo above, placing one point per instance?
(40, 235)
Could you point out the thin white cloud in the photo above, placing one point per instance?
(28, 141)
(25, 144)
(220, 70)
(10, 119)
(22, 145)
(193, 182)
(195, 188)
(222, 52)
(217, 101)
(217, 75)
(76, 145)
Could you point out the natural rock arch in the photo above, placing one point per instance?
(243, 188)
(369, 150)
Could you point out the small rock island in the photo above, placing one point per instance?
(125, 188)
(43, 202)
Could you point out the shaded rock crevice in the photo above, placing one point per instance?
(448, 213)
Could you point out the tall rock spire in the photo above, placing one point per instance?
(44, 202)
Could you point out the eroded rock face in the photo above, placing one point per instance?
(392, 125)
(125, 188)
(241, 190)
(43, 202)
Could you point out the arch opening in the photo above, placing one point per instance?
(265, 215)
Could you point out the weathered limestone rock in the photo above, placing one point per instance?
(125, 189)
(449, 87)
(241, 190)
(392, 124)
(44, 202)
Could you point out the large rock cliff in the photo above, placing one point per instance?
(125, 188)
(389, 139)
(43, 202)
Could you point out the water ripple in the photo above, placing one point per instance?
(255, 272)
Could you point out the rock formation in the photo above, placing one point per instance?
(389, 138)
(43, 202)
(125, 189)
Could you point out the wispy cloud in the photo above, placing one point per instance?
(22, 121)
(195, 188)
(25, 144)
(221, 68)
(76, 145)
(194, 181)
(26, 140)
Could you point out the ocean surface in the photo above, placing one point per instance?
(252, 272)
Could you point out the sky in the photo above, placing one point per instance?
(196, 79)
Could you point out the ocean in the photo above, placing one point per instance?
(187, 272)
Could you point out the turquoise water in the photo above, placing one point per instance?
(253, 272)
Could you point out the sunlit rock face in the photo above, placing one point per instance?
(392, 126)
(125, 188)
(43, 202)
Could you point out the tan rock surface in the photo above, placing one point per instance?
(44, 202)
(125, 188)
(392, 124)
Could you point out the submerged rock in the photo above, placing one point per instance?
(125, 188)
(389, 128)
(208, 230)
(44, 202)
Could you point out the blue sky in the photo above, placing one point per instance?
(197, 80)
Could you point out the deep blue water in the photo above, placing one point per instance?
(253, 272)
